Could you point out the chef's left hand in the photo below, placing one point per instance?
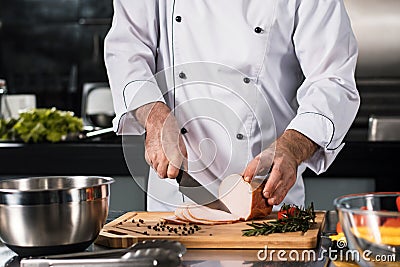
(284, 155)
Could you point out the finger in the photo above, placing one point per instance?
(283, 188)
(279, 193)
(172, 171)
(250, 170)
(162, 168)
(274, 177)
(147, 158)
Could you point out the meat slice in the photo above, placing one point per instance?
(206, 214)
(243, 199)
(183, 214)
(180, 213)
(173, 220)
(202, 215)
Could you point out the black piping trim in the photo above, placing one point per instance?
(123, 91)
(333, 126)
(173, 53)
(119, 121)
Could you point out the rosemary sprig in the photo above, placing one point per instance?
(299, 220)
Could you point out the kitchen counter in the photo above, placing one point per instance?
(90, 157)
(221, 257)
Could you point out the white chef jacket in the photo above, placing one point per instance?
(237, 73)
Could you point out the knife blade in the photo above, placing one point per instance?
(191, 188)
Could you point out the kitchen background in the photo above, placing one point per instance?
(53, 48)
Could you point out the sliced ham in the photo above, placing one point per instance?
(206, 214)
(179, 213)
(173, 220)
(244, 199)
(203, 215)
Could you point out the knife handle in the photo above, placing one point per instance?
(179, 177)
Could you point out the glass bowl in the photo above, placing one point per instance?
(371, 224)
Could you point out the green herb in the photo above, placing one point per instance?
(38, 125)
(299, 220)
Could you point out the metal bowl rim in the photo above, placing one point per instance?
(107, 181)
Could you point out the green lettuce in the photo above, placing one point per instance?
(41, 125)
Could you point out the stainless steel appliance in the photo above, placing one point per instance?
(376, 24)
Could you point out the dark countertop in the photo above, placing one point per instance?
(91, 157)
(358, 159)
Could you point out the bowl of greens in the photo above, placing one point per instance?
(40, 125)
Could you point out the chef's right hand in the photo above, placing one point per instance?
(165, 150)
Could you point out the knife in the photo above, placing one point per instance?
(191, 188)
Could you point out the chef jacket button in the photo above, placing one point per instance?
(239, 136)
(246, 80)
(178, 18)
(258, 30)
(183, 130)
(182, 75)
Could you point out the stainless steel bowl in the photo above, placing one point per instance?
(50, 215)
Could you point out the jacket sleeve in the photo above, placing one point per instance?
(328, 98)
(130, 49)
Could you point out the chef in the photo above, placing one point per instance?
(254, 87)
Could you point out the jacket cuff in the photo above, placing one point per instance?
(320, 129)
(136, 94)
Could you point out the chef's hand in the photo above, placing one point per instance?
(284, 155)
(165, 150)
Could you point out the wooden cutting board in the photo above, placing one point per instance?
(127, 230)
